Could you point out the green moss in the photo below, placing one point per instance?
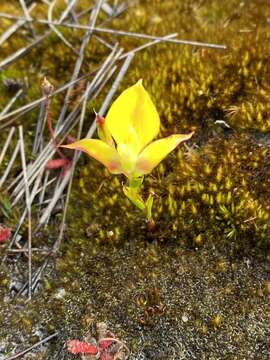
(192, 88)
(219, 190)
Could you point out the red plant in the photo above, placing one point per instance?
(108, 347)
(101, 350)
(5, 233)
(81, 347)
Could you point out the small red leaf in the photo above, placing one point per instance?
(71, 139)
(104, 344)
(57, 163)
(4, 234)
(81, 347)
(106, 356)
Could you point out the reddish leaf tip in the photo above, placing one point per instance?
(100, 120)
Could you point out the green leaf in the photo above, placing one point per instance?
(136, 183)
(5, 206)
(134, 197)
(148, 206)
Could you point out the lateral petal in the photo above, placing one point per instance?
(133, 109)
(100, 151)
(155, 152)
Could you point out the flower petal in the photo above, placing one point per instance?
(99, 150)
(133, 109)
(155, 152)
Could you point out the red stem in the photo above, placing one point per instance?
(49, 123)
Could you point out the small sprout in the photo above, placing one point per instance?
(198, 240)
(222, 266)
(204, 329)
(216, 321)
(267, 287)
(47, 87)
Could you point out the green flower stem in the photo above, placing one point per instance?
(132, 192)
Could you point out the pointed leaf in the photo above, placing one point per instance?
(155, 152)
(134, 197)
(103, 131)
(135, 183)
(133, 110)
(100, 151)
(148, 206)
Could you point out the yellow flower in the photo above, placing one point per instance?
(126, 133)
